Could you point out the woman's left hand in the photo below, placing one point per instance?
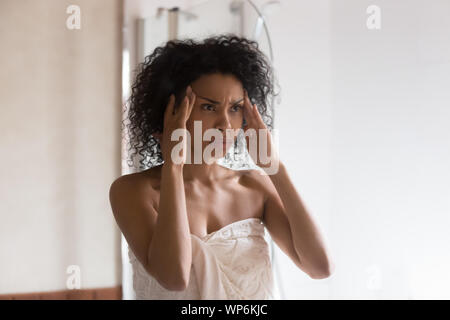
(263, 152)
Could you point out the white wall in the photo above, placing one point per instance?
(60, 144)
(364, 132)
(390, 150)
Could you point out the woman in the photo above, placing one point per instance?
(196, 229)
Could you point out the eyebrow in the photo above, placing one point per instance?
(216, 102)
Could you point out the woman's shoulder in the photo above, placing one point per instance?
(252, 175)
(152, 178)
(139, 181)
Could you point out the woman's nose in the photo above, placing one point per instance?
(223, 123)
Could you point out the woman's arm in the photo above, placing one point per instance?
(306, 237)
(133, 204)
(161, 240)
(170, 251)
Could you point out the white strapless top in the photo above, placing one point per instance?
(232, 263)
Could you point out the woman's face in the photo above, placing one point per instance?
(219, 104)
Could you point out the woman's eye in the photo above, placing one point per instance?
(205, 106)
(237, 107)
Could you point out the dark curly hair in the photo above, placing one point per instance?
(170, 68)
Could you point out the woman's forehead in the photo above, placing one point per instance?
(218, 89)
(217, 81)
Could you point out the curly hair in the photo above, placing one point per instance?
(170, 68)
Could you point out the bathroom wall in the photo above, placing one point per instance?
(390, 150)
(364, 133)
(60, 118)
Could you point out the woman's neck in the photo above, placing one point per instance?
(203, 172)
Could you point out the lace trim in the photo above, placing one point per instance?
(237, 229)
(243, 259)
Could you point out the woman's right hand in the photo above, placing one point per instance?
(176, 118)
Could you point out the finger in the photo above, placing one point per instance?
(246, 109)
(183, 106)
(248, 112)
(189, 93)
(258, 117)
(187, 105)
(191, 105)
(169, 108)
(254, 113)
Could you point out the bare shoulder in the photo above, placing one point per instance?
(132, 203)
(134, 185)
(144, 178)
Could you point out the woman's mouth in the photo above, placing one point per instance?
(222, 141)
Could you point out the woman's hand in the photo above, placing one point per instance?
(259, 142)
(176, 119)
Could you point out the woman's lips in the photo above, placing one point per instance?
(221, 141)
